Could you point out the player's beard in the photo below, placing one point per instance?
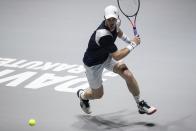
(111, 27)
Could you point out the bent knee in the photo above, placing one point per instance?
(97, 94)
(123, 71)
(120, 68)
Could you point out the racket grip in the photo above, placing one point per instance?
(135, 31)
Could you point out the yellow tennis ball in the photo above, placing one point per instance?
(32, 122)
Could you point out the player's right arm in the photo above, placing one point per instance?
(120, 54)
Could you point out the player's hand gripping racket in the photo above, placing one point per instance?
(130, 9)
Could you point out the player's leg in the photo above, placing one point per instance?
(121, 69)
(95, 91)
(91, 94)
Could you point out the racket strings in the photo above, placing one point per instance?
(129, 7)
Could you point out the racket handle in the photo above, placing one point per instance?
(135, 32)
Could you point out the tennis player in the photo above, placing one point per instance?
(103, 53)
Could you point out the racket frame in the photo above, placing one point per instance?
(134, 17)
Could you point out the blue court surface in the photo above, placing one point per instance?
(42, 43)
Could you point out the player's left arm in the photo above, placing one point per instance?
(123, 36)
(126, 39)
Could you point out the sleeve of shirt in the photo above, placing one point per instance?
(107, 43)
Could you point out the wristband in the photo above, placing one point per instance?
(131, 46)
(125, 39)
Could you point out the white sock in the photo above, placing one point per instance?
(82, 95)
(137, 99)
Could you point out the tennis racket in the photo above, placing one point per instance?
(130, 9)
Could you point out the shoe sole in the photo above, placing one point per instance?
(152, 112)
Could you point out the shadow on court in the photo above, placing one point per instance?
(124, 120)
(121, 120)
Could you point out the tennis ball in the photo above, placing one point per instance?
(32, 122)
